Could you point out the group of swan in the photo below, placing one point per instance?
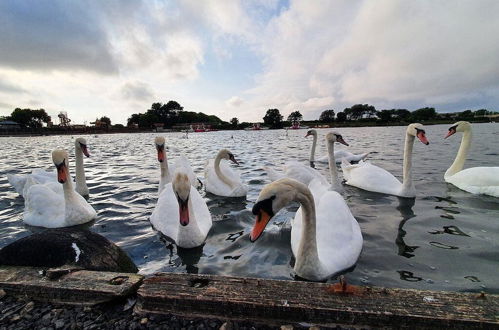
(181, 213)
(325, 237)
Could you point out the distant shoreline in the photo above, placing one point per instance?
(92, 131)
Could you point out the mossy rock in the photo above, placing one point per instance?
(67, 247)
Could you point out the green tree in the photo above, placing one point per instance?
(466, 115)
(358, 111)
(385, 115)
(30, 118)
(423, 114)
(295, 116)
(106, 120)
(327, 116)
(273, 118)
(234, 122)
(341, 116)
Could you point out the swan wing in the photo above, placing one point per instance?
(17, 181)
(201, 212)
(339, 238)
(477, 180)
(302, 173)
(183, 163)
(165, 216)
(44, 207)
(369, 177)
(216, 186)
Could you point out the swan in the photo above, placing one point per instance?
(181, 213)
(338, 154)
(476, 180)
(305, 174)
(325, 237)
(166, 171)
(221, 179)
(369, 177)
(40, 176)
(45, 207)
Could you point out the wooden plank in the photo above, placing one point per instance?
(80, 287)
(294, 301)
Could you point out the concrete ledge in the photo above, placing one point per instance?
(318, 303)
(68, 286)
(260, 300)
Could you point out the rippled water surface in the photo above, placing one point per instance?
(445, 239)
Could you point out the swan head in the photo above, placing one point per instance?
(460, 126)
(271, 199)
(334, 136)
(159, 142)
(60, 159)
(311, 132)
(417, 130)
(226, 154)
(182, 188)
(81, 144)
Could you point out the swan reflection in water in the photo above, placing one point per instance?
(405, 209)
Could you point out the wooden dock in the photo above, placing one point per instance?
(261, 300)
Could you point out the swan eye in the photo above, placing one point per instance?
(60, 165)
(418, 130)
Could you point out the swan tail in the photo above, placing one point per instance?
(273, 174)
(17, 181)
(364, 155)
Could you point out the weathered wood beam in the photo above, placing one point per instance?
(80, 287)
(293, 301)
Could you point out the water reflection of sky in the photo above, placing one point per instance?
(445, 239)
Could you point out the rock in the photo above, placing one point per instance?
(67, 246)
(144, 320)
(2, 293)
(287, 327)
(59, 324)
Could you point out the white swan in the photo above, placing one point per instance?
(305, 174)
(166, 171)
(325, 237)
(221, 179)
(338, 154)
(476, 180)
(369, 177)
(40, 176)
(181, 213)
(45, 207)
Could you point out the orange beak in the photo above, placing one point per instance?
(449, 133)
(161, 155)
(62, 175)
(261, 221)
(422, 137)
(84, 149)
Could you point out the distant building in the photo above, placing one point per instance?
(9, 125)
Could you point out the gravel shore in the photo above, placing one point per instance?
(16, 313)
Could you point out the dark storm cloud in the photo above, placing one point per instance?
(48, 35)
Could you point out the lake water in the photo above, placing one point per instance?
(445, 239)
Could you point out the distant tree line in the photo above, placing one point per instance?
(170, 114)
(28, 118)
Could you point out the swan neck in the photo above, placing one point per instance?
(219, 173)
(458, 163)
(81, 181)
(332, 166)
(307, 259)
(407, 170)
(312, 150)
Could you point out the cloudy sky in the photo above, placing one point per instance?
(236, 58)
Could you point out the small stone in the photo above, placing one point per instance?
(144, 321)
(2, 293)
(287, 327)
(314, 328)
(15, 318)
(59, 324)
(29, 307)
(226, 326)
(87, 309)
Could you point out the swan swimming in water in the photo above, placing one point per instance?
(325, 237)
(305, 174)
(369, 177)
(181, 213)
(338, 154)
(221, 179)
(22, 182)
(476, 180)
(166, 171)
(46, 207)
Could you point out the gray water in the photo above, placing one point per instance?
(445, 239)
